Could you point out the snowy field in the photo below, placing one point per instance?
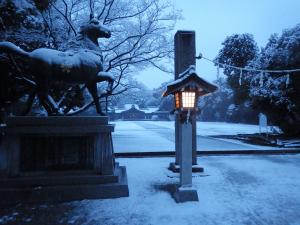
(143, 136)
(215, 128)
(233, 190)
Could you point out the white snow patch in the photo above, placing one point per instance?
(216, 128)
(233, 190)
(156, 136)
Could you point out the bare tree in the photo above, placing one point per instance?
(141, 35)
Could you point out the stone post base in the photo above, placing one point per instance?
(186, 194)
(176, 168)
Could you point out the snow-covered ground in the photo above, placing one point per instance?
(131, 136)
(233, 190)
(143, 136)
(215, 128)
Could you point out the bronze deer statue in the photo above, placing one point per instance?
(83, 65)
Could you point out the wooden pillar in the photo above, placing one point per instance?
(185, 52)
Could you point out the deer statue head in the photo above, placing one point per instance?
(94, 30)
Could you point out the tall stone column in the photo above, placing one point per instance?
(185, 52)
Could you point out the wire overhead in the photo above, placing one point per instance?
(241, 69)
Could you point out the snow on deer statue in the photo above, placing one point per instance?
(83, 65)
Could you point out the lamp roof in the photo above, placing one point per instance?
(190, 79)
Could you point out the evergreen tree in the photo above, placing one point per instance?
(277, 94)
(238, 50)
(21, 23)
(220, 106)
(166, 103)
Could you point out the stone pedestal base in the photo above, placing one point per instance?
(176, 168)
(60, 187)
(59, 159)
(186, 194)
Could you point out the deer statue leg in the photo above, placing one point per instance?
(105, 76)
(93, 91)
(52, 104)
(45, 104)
(29, 103)
(49, 104)
(47, 101)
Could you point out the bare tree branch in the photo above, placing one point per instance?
(103, 9)
(65, 16)
(109, 20)
(108, 11)
(161, 68)
(140, 34)
(88, 105)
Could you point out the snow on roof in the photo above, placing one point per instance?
(185, 74)
(150, 109)
(129, 106)
(190, 77)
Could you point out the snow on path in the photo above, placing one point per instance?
(216, 128)
(131, 137)
(233, 190)
(144, 136)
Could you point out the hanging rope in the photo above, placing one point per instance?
(218, 64)
(240, 78)
(261, 79)
(287, 82)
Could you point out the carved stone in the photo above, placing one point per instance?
(59, 158)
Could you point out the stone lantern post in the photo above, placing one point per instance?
(186, 90)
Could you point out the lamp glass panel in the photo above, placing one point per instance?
(188, 99)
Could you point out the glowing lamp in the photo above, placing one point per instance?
(185, 100)
(187, 88)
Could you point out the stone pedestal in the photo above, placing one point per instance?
(58, 159)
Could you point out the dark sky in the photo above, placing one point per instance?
(213, 20)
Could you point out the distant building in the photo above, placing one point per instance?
(133, 112)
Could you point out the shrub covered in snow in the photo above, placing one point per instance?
(275, 94)
(278, 94)
(220, 106)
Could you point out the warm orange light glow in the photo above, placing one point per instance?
(177, 103)
(188, 99)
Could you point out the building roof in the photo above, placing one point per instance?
(189, 78)
(133, 110)
(130, 106)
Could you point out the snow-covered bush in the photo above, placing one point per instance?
(237, 50)
(275, 94)
(278, 94)
(220, 106)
